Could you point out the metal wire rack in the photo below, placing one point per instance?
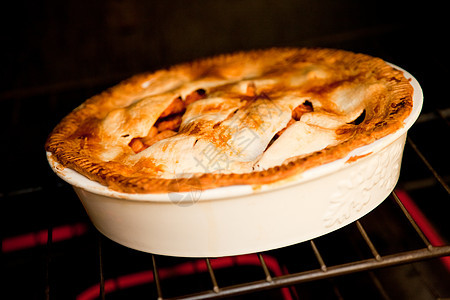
(324, 271)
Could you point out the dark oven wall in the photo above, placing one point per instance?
(53, 46)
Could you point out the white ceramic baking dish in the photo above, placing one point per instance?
(245, 219)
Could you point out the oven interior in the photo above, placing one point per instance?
(67, 52)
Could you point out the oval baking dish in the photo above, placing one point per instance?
(248, 218)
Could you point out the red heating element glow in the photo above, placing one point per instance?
(424, 224)
(34, 239)
(188, 268)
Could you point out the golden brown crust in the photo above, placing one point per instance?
(78, 141)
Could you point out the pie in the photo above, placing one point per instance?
(250, 118)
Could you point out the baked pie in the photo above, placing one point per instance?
(249, 118)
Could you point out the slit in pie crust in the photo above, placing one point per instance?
(252, 117)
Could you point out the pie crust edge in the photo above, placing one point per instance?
(68, 152)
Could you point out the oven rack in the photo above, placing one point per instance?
(323, 271)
